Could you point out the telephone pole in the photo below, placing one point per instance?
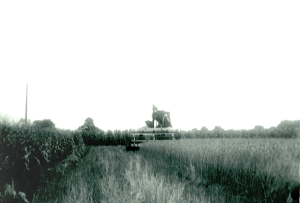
(26, 105)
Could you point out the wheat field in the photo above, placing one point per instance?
(200, 170)
(254, 170)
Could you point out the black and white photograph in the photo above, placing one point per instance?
(149, 101)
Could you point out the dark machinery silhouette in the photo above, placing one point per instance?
(160, 128)
(162, 117)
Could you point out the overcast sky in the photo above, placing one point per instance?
(233, 64)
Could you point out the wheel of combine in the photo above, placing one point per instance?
(128, 144)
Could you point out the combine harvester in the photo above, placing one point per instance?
(160, 128)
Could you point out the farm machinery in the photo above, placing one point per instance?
(160, 128)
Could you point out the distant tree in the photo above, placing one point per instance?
(194, 133)
(184, 134)
(194, 130)
(289, 128)
(259, 128)
(288, 124)
(218, 131)
(273, 132)
(89, 126)
(231, 133)
(257, 132)
(204, 129)
(90, 133)
(42, 124)
(242, 133)
(203, 133)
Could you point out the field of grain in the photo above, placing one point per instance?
(111, 174)
(251, 170)
(193, 170)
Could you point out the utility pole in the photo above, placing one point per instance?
(26, 105)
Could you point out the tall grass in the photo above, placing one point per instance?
(110, 174)
(254, 170)
(204, 170)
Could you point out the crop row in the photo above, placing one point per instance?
(30, 158)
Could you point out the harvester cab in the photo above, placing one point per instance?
(162, 119)
(160, 128)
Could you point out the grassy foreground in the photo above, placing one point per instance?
(202, 170)
(110, 174)
(249, 170)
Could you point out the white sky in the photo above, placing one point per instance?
(233, 64)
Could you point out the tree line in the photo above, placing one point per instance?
(285, 129)
(92, 135)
